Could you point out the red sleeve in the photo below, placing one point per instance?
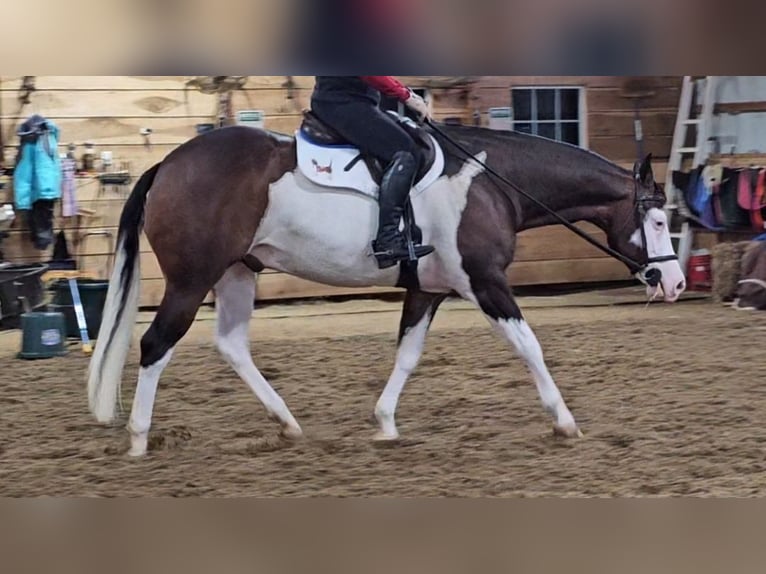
(388, 85)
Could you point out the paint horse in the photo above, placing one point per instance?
(233, 201)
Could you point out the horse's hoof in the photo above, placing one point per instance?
(381, 436)
(138, 444)
(137, 449)
(292, 432)
(567, 432)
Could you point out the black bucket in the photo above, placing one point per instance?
(21, 290)
(92, 296)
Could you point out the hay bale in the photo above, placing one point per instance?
(726, 269)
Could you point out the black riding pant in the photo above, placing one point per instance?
(367, 127)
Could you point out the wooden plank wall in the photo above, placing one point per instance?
(111, 110)
(609, 118)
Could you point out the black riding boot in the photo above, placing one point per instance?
(390, 246)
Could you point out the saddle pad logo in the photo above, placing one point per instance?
(321, 168)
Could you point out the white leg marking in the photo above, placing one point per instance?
(235, 294)
(143, 404)
(407, 358)
(521, 336)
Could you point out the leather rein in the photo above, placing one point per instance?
(650, 276)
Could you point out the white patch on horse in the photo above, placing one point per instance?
(143, 404)
(235, 293)
(407, 358)
(325, 235)
(440, 212)
(520, 335)
(659, 244)
(320, 234)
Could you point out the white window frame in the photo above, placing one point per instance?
(582, 118)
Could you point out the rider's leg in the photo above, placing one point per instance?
(389, 245)
(378, 134)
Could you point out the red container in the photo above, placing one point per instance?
(699, 277)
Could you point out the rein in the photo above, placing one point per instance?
(649, 276)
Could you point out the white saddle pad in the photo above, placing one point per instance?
(326, 166)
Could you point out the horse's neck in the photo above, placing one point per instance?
(581, 197)
(574, 183)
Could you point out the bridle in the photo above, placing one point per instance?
(648, 275)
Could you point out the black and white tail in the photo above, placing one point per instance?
(121, 307)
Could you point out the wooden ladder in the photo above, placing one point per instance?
(704, 88)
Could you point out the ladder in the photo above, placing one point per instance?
(703, 87)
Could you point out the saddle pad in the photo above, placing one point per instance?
(328, 166)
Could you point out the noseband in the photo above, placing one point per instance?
(650, 276)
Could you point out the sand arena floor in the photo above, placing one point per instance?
(671, 400)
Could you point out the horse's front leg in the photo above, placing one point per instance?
(496, 302)
(418, 312)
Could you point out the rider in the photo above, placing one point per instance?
(350, 104)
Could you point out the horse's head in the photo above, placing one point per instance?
(646, 237)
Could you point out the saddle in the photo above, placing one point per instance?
(316, 132)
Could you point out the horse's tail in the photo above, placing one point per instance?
(121, 307)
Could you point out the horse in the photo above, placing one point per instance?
(234, 201)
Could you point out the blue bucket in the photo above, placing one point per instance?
(43, 335)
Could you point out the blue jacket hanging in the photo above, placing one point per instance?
(37, 174)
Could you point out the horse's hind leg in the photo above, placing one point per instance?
(496, 301)
(174, 317)
(235, 293)
(418, 312)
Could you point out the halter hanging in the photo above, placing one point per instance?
(650, 276)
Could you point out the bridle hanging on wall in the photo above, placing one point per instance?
(223, 86)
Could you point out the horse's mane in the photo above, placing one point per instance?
(537, 145)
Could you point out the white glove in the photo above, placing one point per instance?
(419, 106)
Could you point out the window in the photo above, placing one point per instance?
(387, 103)
(551, 112)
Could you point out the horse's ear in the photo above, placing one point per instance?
(643, 171)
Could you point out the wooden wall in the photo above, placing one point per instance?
(111, 110)
(609, 113)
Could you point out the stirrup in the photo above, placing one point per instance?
(400, 253)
